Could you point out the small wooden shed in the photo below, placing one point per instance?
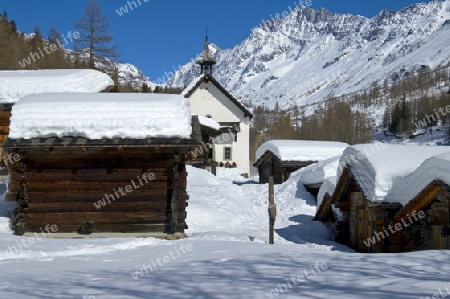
(280, 158)
(270, 165)
(410, 213)
(100, 163)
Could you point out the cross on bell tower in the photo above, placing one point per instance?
(206, 61)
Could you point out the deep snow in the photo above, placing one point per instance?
(101, 115)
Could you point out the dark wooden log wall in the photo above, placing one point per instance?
(60, 186)
(270, 166)
(5, 113)
(362, 220)
(432, 232)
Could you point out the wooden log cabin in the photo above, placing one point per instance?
(280, 158)
(100, 163)
(17, 84)
(390, 201)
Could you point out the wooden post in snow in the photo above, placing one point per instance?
(272, 210)
(214, 168)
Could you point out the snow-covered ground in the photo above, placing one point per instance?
(436, 135)
(225, 256)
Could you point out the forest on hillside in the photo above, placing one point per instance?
(333, 121)
(20, 51)
(412, 101)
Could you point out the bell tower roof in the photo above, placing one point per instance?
(205, 60)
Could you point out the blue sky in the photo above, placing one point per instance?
(158, 36)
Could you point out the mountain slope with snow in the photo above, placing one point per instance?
(314, 54)
(129, 73)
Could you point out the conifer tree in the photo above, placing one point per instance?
(395, 118)
(406, 117)
(387, 117)
(145, 88)
(37, 45)
(94, 37)
(57, 58)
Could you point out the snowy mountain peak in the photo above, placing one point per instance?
(311, 54)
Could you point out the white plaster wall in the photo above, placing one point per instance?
(209, 100)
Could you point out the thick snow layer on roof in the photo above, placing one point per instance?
(317, 173)
(208, 122)
(434, 168)
(380, 169)
(101, 115)
(17, 84)
(302, 150)
(328, 186)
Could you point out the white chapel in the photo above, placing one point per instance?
(209, 98)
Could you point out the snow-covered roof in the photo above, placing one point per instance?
(328, 186)
(101, 115)
(301, 150)
(17, 84)
(208, 122)
(392, 173)
(317, 173)
(434, 168)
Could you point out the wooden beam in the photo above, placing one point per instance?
(272, 210)
(174, 197)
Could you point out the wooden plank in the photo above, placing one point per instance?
(33, 165)
(106, 216)
(11, 196)
(84, 207)
(164, 150)
(94, 177)
(81, 194)
(103, 228)
(100, 218)
(13, 190)
(107, 187)
(272, 210)
(88, 171)
(91, 196)
(16, 174)
(102, 153)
